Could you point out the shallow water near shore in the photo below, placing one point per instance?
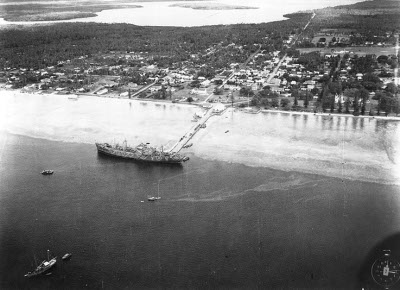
(231, 217)
(338, 146)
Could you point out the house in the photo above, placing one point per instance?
(155, 89)
(198, 92)
(205, 84)
(219, 108)
(102, 91)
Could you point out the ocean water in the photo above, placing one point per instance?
(161, 14)
(226, 218)
(217, 224)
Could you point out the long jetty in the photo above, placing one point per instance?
(196, 128)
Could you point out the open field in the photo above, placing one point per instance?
(359, 50)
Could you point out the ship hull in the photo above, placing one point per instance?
(42, 269)
(101, 149)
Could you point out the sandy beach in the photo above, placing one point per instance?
(342, 146)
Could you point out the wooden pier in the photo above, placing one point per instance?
(196, 128)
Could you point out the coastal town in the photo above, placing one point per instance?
(336, 74)
(261, 152)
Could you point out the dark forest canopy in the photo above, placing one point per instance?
(44, 45)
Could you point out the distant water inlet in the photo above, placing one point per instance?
(165, 14)
(346, 147)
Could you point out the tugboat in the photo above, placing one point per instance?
(142, 152)
(43, 267)
(153, 198)
(47, 172)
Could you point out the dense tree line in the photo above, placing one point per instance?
(45, 45)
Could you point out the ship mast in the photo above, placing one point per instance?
(124, 145)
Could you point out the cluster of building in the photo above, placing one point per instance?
(128, 74)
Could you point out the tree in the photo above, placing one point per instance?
(315, 91)
(285, 102)
(195, 84)
(340, 105)
(371, 82)
(218, 91)
(274, 102)
(246, 91)
(325, 98)
(347, 105)
(355, 104)
(378, 96)
(306, 100)
(391, 88)
(364, 95)
(163, 92)
(232, 98)
(332, 99)
(295, 94)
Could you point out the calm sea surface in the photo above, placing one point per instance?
(225, 218)
(161, 14)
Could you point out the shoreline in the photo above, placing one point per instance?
(105, 96)
(37, 92)
(287, 149)
(389, 118)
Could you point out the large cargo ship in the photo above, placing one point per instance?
(142, 152)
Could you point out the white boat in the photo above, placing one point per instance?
(73, 97)
(66, 256)
(154, 198)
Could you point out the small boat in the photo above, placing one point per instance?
(47, 172)
(43, 267)
(73, 97)
(67, 256)
(153, 198)
(48, 274)
(226, 131)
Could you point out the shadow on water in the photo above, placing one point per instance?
(391, 243)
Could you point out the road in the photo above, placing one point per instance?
(272, 75)
(143, 89)
(233, 73)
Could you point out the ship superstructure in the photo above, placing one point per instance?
(142, 152)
